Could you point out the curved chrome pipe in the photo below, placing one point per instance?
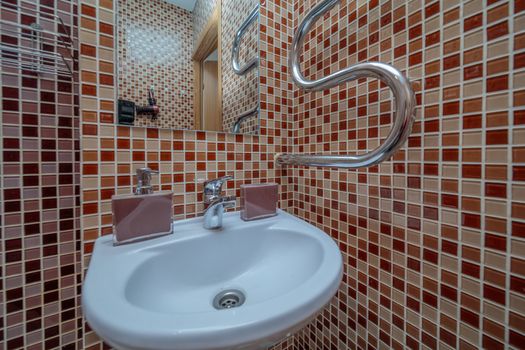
(252, 63)
(404, 97)
(236, 128)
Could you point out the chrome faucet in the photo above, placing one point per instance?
(216, 202)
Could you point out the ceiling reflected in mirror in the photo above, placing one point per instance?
(188, 5)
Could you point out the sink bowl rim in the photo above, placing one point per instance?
(113, 320)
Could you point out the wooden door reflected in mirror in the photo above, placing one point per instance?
(211, 116)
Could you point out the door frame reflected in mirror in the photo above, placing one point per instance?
(208, 42)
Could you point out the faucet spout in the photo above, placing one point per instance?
(215, 211)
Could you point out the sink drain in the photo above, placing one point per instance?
(228, 299)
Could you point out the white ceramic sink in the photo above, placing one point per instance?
(159, 294)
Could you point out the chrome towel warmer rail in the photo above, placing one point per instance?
(236, 128)
(254, 61)
(402, 90)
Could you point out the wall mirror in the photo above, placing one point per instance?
(188, 64)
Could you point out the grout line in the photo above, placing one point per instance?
(509, 183)
(459, 225)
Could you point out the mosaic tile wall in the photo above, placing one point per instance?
(185, 158)
(433, 240)
(39, 194)
(201, 14)
(155, 45)
(239, 93)
(276, 96)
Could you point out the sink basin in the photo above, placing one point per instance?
(245, 286)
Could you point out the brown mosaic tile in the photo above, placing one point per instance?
(465, 123)
(39, 198)
(363, 220)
